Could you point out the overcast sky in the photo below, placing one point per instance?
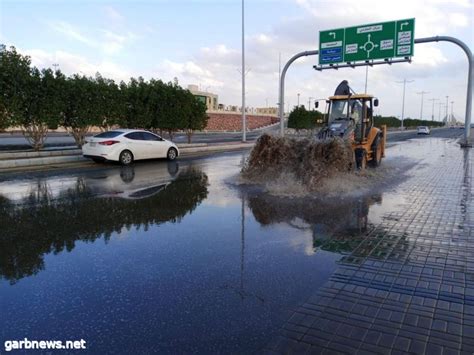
(199, 42)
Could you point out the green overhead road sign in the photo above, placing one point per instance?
(367, 42)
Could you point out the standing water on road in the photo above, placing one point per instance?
(164, 257)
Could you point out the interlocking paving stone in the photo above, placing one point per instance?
(409, 284)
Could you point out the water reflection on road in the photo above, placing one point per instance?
(163, 257)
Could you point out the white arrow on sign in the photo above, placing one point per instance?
(368, 46)
(403, 24)
(333, 34)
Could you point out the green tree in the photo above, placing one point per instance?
(172, 115)
(81, 106)
(42, 109)
(300, 119)
(196, 117)
(14, 75)
(111, 107)
(30, 97)
(137, 111)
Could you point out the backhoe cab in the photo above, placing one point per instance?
(350, 116)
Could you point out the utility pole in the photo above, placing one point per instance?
(298, 100)
(55, 65)
(244, 123)
(422, 93)
(447, 107)
(404, 82)
(432, 109)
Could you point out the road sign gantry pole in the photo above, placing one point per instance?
(465, 48)
(282, 86)
(456, 41)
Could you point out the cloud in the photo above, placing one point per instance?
(113, 14)
(107, 41)
(75, 64)
(113, 43)
(71, 32)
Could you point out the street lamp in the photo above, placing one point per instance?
(244, 123)
(405, 81)
(432, 108)
(447, 106)
(452, 109)
(422, 93)
(298, 105)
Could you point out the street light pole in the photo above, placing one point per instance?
(298, 100)
(366, 77)
(447, 107)
(452, 109)
(309, 102)
(422, 93)
(405, 81)
(244, 123)
(432, 109)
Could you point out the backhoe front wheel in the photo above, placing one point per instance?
(361, 159)
(376, 153)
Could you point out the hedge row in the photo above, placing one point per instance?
(38, 100)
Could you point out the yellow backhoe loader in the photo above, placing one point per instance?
(350, 116)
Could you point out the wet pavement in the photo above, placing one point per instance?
(408, 286)
(176, 258)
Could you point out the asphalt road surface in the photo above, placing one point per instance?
(16, 142)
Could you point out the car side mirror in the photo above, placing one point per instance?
(376, 102)
(316, 104)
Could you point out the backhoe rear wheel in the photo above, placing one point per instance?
(376, 153)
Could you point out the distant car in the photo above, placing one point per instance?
(423, 130)
(128, 145)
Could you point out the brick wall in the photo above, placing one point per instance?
(233, 122)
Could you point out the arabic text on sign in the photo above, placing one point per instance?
(367, 29)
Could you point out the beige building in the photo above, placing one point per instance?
(211, 100)
(273, 111)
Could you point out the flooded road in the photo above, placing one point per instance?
(170, 258)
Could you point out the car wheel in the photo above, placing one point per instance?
(126, 157)
(172, 154)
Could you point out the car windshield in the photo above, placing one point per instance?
(109, 134)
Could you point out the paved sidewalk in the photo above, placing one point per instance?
(409, 285)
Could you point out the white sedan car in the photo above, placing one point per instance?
(127, 145)
(423, 130)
